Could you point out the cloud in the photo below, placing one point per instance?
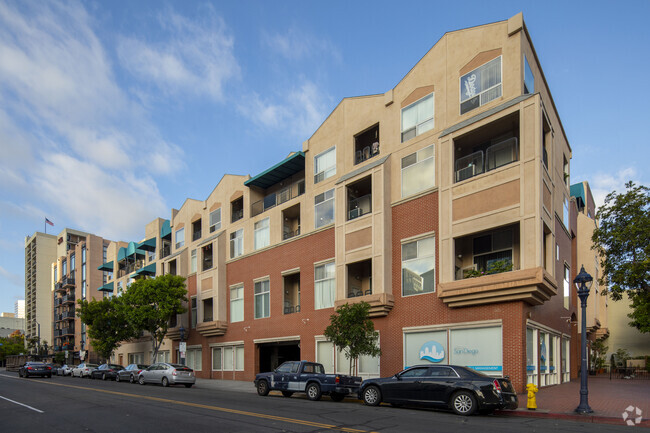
(14, 279)
(300, 110)
(604, 183)
(195, 58)
(296, 45)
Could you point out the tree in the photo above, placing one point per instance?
(622, 242)
(12, 345)
(151, 304)
(108, 324)
(352, 331)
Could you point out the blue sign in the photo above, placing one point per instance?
(432, 351)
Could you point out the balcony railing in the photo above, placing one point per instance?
(207, 264)
(69, 315)
(165, 251)
(277, 198)
(289, 309)
(289, 234)
(237, 215)
(68, 331)
(67, 281)
(359, 206)
(196, 235)
(366, 153)
(495, 156)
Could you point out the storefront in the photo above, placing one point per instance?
(547, 355)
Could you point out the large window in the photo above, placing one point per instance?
(194, 312)
(417, 118)
(324, 208)
(418, 267)
(480, 86)
(565, 213)
(567, 285)
(324, 286)
(193, 262)
(262, 299)
(262, 234)
(215, 220)
(180, 238)
(418, 171)
(237, 304)
(236, 243)
(193, 359)
(529, 79)
(64, 267)
(72, 263)
(325, 165)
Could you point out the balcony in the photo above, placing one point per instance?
(291, 293)
(68, 315)
(237, 209)
(68, 299)
(274, 199)
(58, 287)
(359, 198)
(291, 222)
(67, 281)
(366, 144)
(67, 331)
(213, 328)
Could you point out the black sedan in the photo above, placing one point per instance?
(460, 389)
(130, 373)
(106, 371)
(31, 368)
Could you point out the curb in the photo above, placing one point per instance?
(570, 417)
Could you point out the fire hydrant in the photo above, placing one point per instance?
(532, 402)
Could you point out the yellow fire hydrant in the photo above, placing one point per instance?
(532, 402)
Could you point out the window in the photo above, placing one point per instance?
(324, 286)
(72, 263)
(324, 208)
(193, 359)
(196, 230)
(480, 86)
(565, 213)
(237, 209)
(418, 171)
(215, 220)
(493, 251)
(227, 358)
(194, 312)
(565, 170)
(417, 118)
(325, 165)
(237, 304)
(206, 252)
(208, 308)
(529, 79)
(193, 262)
(262, 299)
(216, 358)
(236, 243)
(567, 285)
(239, 358)
(55, 275)
(262, 234)
(64, 269)
(418, 267)
(180, 238)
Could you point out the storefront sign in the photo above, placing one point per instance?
(432, 351)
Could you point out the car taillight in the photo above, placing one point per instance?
(49, 368)
(337, 380)
(497, 385)
(30, 368)
(174, 373)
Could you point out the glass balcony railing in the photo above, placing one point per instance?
(359, 206)
(277, 198)
(495, 156)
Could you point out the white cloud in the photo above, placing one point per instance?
(196, 57)
(295, 44)
(14, 279)
(604, 183)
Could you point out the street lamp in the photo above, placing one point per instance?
(583, 283)
(181, 347)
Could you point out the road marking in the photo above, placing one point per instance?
(21, 404)
(214, 408)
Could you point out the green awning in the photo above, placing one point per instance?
(121, 254)
(287, 168)
(148, 245)
(149, 270)
(166, 229)
(132, 249)
(106, 287)
(108, 266)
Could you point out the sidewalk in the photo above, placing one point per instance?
(607, 398)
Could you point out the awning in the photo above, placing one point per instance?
(148, 245)
(106, 287)
(287, 168)
(108, 266)
(121, 254)
(210, 239)
(166, 229)
(132, 249)
(149, 270)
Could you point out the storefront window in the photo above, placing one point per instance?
(531, 356)
(425, 348)
(478, 348)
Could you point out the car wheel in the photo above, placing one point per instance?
(463, 403)
(313, 391)
(188, 385)
(141, 380)
(287, 393)
(262, 388)
(117, 377)
(165, 382)
(335, 396)
(372, 396)
(132, 379)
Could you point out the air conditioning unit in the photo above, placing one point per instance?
(465, 173)
(463, 271)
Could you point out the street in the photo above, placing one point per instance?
(65, 404)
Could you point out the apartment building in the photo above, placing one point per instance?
(76, 276)
(40, 252)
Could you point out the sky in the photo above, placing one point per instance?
(114, 112)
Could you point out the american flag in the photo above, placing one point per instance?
(47, 221)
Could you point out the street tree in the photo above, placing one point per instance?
(12, 345)
(107, 324)
(352, 331)
(152, 303)
(622, 241)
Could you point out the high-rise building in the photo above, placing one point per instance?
(40, 252)
(19, 308)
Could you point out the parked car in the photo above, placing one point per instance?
(307, 377)
(106, 371)
(54, 367)
(64, 370)
(32, 368)
(460, 389)
(84, 369)
(167, 374)
(130, 373)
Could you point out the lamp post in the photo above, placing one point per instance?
(583, 283)
(181, 347)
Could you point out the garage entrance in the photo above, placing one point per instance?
(274, 354)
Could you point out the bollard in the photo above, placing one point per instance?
(532, 402)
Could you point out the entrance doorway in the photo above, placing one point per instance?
(274, 354)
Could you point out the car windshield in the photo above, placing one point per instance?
(36, 364)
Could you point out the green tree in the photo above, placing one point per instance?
(152, 303)
(352, 331)
(622, 241)
(108, 324)
(12, 345)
